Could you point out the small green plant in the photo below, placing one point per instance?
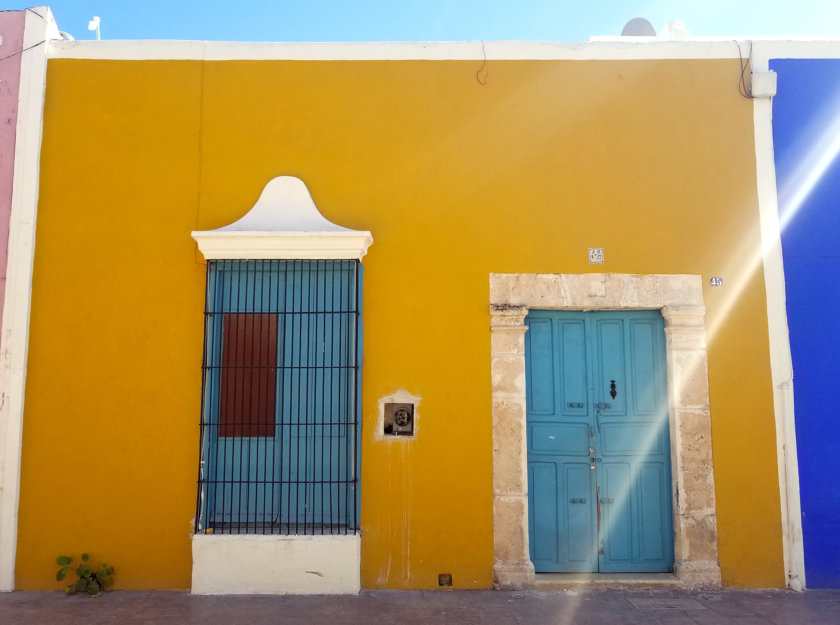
(93, 580)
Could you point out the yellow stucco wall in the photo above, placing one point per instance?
(651, 160)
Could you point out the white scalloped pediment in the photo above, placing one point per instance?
(284, 223)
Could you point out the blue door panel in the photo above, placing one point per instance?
(632, 439)
(572, 382)
(651, 496)
(568, 439)
(617, 507)
(644, 381)
(579, 508)
(599, 465)
(542, 379)
(608, 376)
(543, 512)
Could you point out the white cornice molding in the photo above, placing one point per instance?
(283, 224)
(395, 50)
(282, 245)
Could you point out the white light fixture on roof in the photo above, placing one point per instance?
(283, 224)
(94, 25)
(675, 31)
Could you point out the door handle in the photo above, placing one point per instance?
(577, 500)
(606, 500)
(602, 406)
(573, 404)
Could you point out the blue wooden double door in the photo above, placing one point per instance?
(599, 475)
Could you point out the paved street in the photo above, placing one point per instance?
(555, 607)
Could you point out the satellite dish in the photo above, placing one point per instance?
(638, 27)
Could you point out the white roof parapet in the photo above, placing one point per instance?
(598, 48)
(283, 224)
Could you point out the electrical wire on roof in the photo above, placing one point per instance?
(63, 34)
(744, 88)
(482, 80)
(36, 13)
(34, 45)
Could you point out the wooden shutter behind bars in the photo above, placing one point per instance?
(249, 375)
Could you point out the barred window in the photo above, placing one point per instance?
(280, 399)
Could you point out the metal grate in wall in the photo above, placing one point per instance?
(280, 398)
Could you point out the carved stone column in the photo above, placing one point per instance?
(695, 523)
(512, 567)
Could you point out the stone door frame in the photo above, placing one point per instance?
(680, 300)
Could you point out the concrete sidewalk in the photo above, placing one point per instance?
(557, 607)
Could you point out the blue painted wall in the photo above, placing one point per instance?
(806, 121)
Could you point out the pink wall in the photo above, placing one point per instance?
(11, 29)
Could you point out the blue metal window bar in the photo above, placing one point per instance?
(280, 398)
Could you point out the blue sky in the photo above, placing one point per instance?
(433, 20)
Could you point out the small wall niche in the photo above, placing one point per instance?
(398, 419)
(398, 416)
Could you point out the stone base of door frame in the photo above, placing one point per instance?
(513, 575)
(597, 581)
(698, 574)
(680, 300)
(276, 565)
(686, 575)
